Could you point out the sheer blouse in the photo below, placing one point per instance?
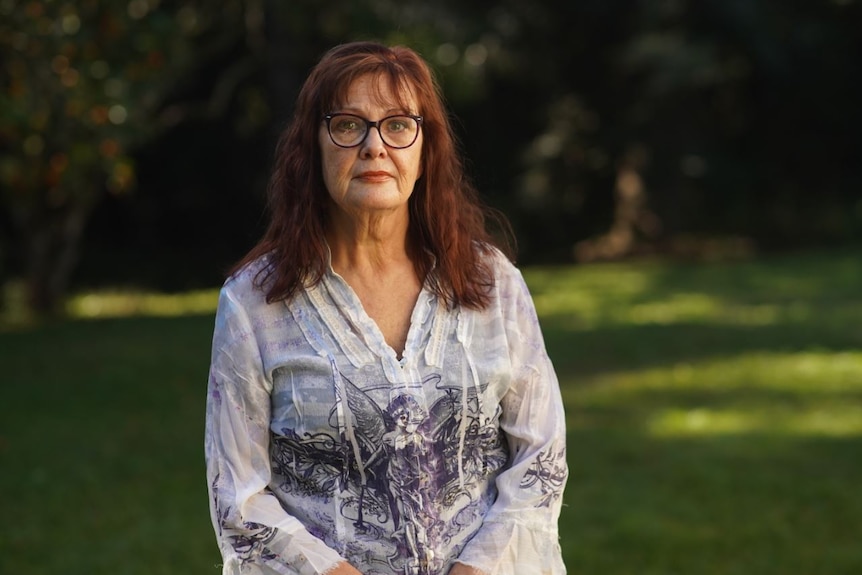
(322, 446)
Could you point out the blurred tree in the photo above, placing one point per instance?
(745, 108)
(83, 85)
(738, 111)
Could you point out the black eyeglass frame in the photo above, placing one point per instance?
(369, 124)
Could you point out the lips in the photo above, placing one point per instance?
(371, 176)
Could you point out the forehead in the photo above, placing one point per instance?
(379, 91)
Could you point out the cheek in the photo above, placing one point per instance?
(413, 166)
(331, 161)
(420, 161)
(334, 165)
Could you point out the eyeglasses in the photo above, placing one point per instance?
(349, 130)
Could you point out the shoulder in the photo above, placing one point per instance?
(246, 287)
(507, 276)
(509, 290)
(242, 307)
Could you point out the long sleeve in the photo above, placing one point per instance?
(519, 534)
(255, 535)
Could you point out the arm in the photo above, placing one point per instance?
(519, 534)
(255, 535)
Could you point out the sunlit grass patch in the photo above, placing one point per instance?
(792, 290)
(805, 393)
(616, 295)
(805, 373)
(835, 419)
(589, 293)
(104, 304)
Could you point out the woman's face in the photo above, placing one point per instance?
(371, 177)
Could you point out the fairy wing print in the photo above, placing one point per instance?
(370, 422)
(362, 439)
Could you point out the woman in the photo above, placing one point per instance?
(380, 399)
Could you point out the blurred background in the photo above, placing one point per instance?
(136, 136)
(684, 181)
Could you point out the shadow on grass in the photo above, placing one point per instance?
(730, 504)
(624, 347)
(101, 443)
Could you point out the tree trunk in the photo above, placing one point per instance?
(53, 248)
(633, 220)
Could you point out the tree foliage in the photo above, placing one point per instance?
(83, 85)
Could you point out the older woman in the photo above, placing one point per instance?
(380, 399)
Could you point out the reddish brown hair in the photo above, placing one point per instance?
(448, 239)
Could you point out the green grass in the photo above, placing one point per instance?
(714, 415)
(102, 435)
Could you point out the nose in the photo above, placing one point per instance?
(373, 146)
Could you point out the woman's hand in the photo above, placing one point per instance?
(344, 568)
(461, 569)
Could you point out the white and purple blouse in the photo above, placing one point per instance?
(322, 446)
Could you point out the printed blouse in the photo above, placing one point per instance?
(323, 446)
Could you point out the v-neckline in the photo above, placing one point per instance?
(349, 304)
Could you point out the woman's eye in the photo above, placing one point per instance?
(347, 125)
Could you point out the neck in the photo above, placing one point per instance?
(372, 244)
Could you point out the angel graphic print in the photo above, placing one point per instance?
(323, 446)
(390, 456)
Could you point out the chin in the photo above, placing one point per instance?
(379, 200)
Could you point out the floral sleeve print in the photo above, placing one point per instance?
(549, 472)
(322, 446)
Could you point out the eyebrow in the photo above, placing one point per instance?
(358, 112)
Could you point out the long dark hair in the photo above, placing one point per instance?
(448, 224)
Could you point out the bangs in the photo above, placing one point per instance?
(392, 89)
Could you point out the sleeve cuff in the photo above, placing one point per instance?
(508, 548)
(299, 553)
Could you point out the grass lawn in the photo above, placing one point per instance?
(714, 415)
